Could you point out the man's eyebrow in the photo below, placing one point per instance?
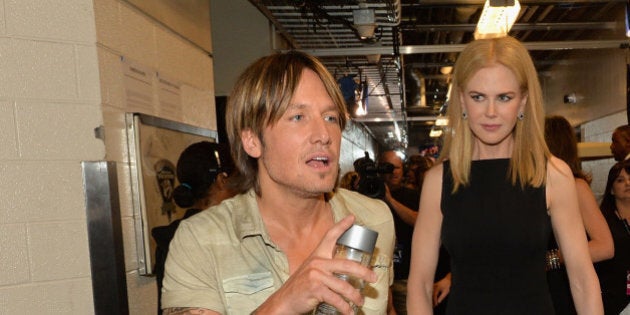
(297, 106)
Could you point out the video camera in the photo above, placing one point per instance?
(370, 183)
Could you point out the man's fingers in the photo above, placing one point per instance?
(327, 245)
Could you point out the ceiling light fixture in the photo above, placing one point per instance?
(441, 121)
(435, 133)
(364, 21)
(497, 18)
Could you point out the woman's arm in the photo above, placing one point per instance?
(562, 201)
(600, 245)
(425, 245)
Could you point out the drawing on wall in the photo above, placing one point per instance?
(154, 147)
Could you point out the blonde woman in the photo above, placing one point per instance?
(497, 195)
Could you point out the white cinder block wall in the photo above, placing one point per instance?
(49, 106)
(124, 31)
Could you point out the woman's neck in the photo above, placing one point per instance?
(623, 208)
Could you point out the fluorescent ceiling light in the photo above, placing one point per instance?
(495, 20)
(435, 133)
(441, 121)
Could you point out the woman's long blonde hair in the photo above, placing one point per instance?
(530, 154)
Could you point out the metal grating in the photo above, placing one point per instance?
(416, 38)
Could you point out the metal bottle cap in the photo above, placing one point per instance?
(359, 237)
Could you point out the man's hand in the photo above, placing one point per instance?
(441, 289)
(314, 282)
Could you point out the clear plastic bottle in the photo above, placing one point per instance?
(357, 243)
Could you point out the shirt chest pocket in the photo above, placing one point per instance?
(245, 293)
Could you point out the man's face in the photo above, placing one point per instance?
(620, 146)
(300, 153)
(393, 180)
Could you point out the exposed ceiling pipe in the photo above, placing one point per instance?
(462, 15)
(398, 14)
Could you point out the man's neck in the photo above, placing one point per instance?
(292, 212)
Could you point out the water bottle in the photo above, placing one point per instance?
(357, 243)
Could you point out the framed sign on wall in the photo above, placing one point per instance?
(154, 147)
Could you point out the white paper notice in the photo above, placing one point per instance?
(138, 81)
(169, 96)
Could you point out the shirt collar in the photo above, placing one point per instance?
(247, 220)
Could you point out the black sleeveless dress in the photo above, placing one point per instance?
(496, 235)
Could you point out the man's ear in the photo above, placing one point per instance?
(251, 143)
(221, 180)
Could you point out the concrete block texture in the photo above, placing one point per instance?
(37, 69)
(58, 250)
(59, 131)
(8, 136)
(139, 44)
(14, 258)
(52, 298)
(41, 191)
(64, 20)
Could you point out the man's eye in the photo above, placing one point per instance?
(297, 117)
(332, 118)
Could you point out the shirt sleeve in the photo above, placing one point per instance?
(189, 278)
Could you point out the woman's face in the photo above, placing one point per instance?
(492, 100)
(621, 186)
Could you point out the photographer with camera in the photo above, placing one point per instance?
(403, 203)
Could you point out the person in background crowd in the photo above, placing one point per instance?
(614, 274)
(620, 146)
(349, 181)
(269, 250)
(496, 194)
(415, 167)
(404, 205)
(562, 142)
(202, 171)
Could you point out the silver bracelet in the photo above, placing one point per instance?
(553, 259)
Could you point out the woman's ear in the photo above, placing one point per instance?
(523, 103)
(251, 143)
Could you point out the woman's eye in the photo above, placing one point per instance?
(505, 98)
(476, 97)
